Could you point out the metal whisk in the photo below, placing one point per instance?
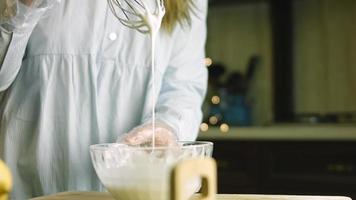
(136, 14)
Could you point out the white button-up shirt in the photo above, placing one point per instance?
(72, 76)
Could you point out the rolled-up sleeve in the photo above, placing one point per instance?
(185, 80)
(14, 35)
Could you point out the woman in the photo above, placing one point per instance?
(71, 75)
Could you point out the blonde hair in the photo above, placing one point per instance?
(177, 11)
(7, 9)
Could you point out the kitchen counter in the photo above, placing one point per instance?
(106, 196)
(286, 159)
(324, 132)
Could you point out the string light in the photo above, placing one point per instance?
(224, 128)
(215, 100)
(208, 62)
(204, 127)
(213, 120)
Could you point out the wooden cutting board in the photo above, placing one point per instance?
(106, 196)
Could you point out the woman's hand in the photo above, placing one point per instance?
(164, 135)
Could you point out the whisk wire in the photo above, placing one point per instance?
(134, 24)
(139, 3)
(133, 13)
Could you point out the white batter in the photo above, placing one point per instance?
(153, 21)
(144, 179)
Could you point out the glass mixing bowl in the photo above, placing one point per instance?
(143, 172)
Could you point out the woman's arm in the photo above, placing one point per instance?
(14, 34)
(185, 80)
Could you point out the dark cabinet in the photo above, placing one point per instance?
(237, 168)
(286, 167)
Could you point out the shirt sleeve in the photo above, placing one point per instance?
(14, 35)
(185, 80)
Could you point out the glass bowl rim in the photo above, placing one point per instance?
(194, 144)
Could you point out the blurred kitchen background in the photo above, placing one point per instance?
(281, 103)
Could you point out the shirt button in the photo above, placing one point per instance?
(112, 36)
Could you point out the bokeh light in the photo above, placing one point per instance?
(204, 127)
(208, 62)
(215, 100)
(213, 120)
(224, 128)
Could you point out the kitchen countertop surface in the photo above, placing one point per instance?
(106, 196)
(320, 132)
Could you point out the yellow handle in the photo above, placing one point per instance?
(5, 181)
(190, 169)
